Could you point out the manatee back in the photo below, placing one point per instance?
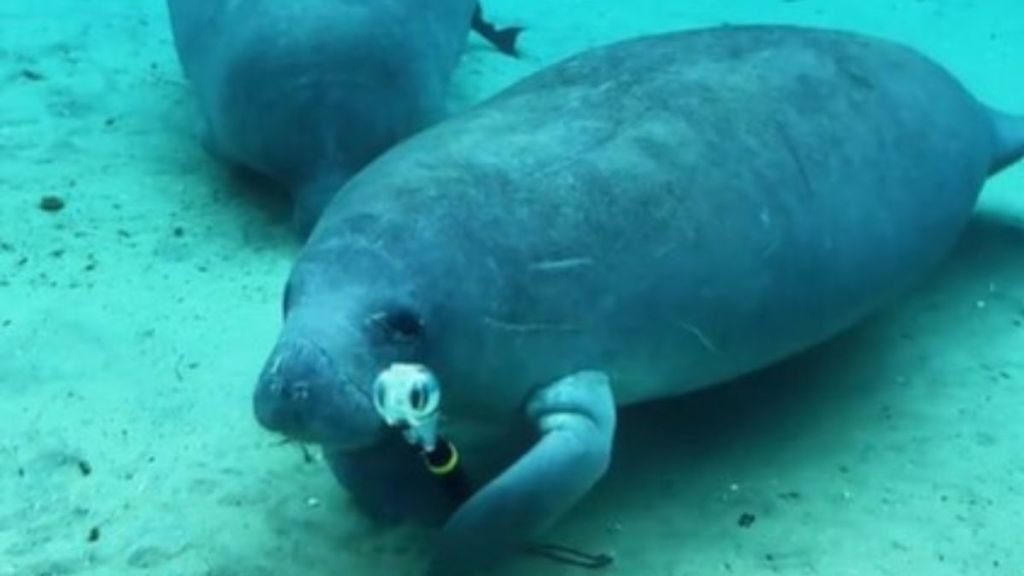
(686, 206)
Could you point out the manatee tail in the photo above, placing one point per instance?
(1009, 140)
(504, 39)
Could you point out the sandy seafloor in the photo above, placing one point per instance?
(133, 323)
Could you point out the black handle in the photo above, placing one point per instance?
(443, 462)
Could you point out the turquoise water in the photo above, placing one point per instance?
(135, 318)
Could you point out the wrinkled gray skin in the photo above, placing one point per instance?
(307, 92)
(658, 216)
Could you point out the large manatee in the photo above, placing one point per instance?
(659, 215)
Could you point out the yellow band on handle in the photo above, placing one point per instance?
(448, 465)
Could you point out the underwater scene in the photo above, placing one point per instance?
(460, 287)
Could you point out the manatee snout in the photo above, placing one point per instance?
(303, 394)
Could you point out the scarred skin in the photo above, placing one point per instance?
(659, 215)
(307, 92)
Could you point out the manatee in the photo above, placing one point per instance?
(308, 92)
(657, 216)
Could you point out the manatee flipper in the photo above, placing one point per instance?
(575, 417)
(1009, 140)
(504, 39)
(389, 482)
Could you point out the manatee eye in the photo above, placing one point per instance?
(403, 323)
